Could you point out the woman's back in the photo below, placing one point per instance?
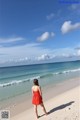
(35, 88)
(37, 98)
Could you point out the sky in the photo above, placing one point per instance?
(39, 31)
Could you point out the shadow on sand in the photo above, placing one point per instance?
(59, 107)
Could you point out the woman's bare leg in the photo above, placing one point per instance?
(35, 110)
(42, 105)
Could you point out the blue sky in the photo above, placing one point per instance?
(38, 31)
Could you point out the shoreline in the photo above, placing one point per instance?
(23, 103)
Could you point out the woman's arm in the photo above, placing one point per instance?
(40, 90)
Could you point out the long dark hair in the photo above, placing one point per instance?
(35, 81)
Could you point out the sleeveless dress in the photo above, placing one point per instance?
(36, 99)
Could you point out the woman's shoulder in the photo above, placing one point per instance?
(33, 87)
(39, 87)
(36, 87)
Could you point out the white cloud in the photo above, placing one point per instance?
(44, 57)
(75, 9)
(8, 40)
(50, 16)
(74, 6)
(78, 52)
(17, 60)
(77, 48)
(21, 53)
(67, 55)
(23, 59)
(52, 34)
(45, 36)
(52, 56)
(67, 27)
(33, 53)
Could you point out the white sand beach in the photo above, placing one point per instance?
(64, 106)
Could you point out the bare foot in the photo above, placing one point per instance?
(38, 117)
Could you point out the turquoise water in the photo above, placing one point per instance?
(17, 80)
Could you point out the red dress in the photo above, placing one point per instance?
(37, 99)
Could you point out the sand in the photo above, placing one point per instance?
(63, 106)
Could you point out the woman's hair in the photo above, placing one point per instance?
(35, 81)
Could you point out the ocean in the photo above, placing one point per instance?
(18, 80)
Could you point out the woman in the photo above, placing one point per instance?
(37, 97)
